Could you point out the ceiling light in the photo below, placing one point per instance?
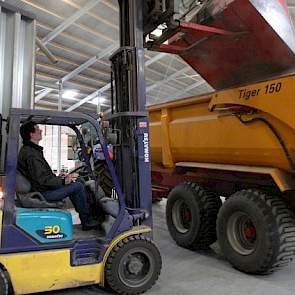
(70, 94)
(98, 100)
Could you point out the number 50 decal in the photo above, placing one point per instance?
(49, 230)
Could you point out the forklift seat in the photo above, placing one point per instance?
(30, 199)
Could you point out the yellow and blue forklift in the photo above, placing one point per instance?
(41, 249)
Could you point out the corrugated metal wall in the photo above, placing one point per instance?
(17, 63)
(17, 58)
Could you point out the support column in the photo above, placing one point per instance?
(17, 56)
(60, 90)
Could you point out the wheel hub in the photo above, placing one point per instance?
(241, 233)
(134, 265)
(181, 216)
(250, 232)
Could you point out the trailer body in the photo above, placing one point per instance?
(237, 144)
(205, 136)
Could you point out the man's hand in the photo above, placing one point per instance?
(71, 177)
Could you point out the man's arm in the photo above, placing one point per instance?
(42, 174)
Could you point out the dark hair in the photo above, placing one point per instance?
(26, 129)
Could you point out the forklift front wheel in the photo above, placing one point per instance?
(133, 266)
(4, 286)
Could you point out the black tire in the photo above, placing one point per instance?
(133, 266)
(256, 232)
(4, 286)
(104, 176)
(191, 214)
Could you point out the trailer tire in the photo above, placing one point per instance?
(133, 266)
(191, 214)
(104, 176)
(4, 285)
(256, 232)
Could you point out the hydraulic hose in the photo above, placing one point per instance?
(275, 133)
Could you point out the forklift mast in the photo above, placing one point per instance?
(128, 108)
(137, 19)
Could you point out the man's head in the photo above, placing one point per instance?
(30, 131)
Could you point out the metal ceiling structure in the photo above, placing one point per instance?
(81, 35)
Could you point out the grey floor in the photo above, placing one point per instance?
(186, 272)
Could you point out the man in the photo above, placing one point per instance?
(32, 164)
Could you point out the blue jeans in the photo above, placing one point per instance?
(77, 194)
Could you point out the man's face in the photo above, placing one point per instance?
(37, 134)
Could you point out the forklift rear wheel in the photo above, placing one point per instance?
(191, 215)
(4, 286)
(133, 266)
(256, 232)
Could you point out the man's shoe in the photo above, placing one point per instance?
(91, 224)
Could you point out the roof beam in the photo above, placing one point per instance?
(40, 90)
(189, 88)
(83, 67)
(180, 93)
(89, 62)
(108, 86)
(69, 21)
(42, 94)
(49, 85)
(98, 18)
(89, 97)
(167, 79)
(67, 102)
(155, 58)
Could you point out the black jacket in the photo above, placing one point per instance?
(32, 164)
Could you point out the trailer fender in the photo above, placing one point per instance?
(282, 179)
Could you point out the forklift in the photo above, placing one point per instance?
(41, 249)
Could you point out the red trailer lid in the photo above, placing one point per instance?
(235, 42)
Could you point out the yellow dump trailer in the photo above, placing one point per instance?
(238, 144)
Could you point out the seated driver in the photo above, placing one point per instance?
(32, 164)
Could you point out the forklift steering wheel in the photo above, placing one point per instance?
(84, 175)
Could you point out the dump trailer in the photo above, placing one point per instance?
(238, 144)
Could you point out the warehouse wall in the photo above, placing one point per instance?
(50, 145)
(17, 55)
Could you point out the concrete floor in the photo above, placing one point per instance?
(186, 272)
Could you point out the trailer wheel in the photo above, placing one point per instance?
(191, 215)
(133, 266)
(4, 286)
(256, 232)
